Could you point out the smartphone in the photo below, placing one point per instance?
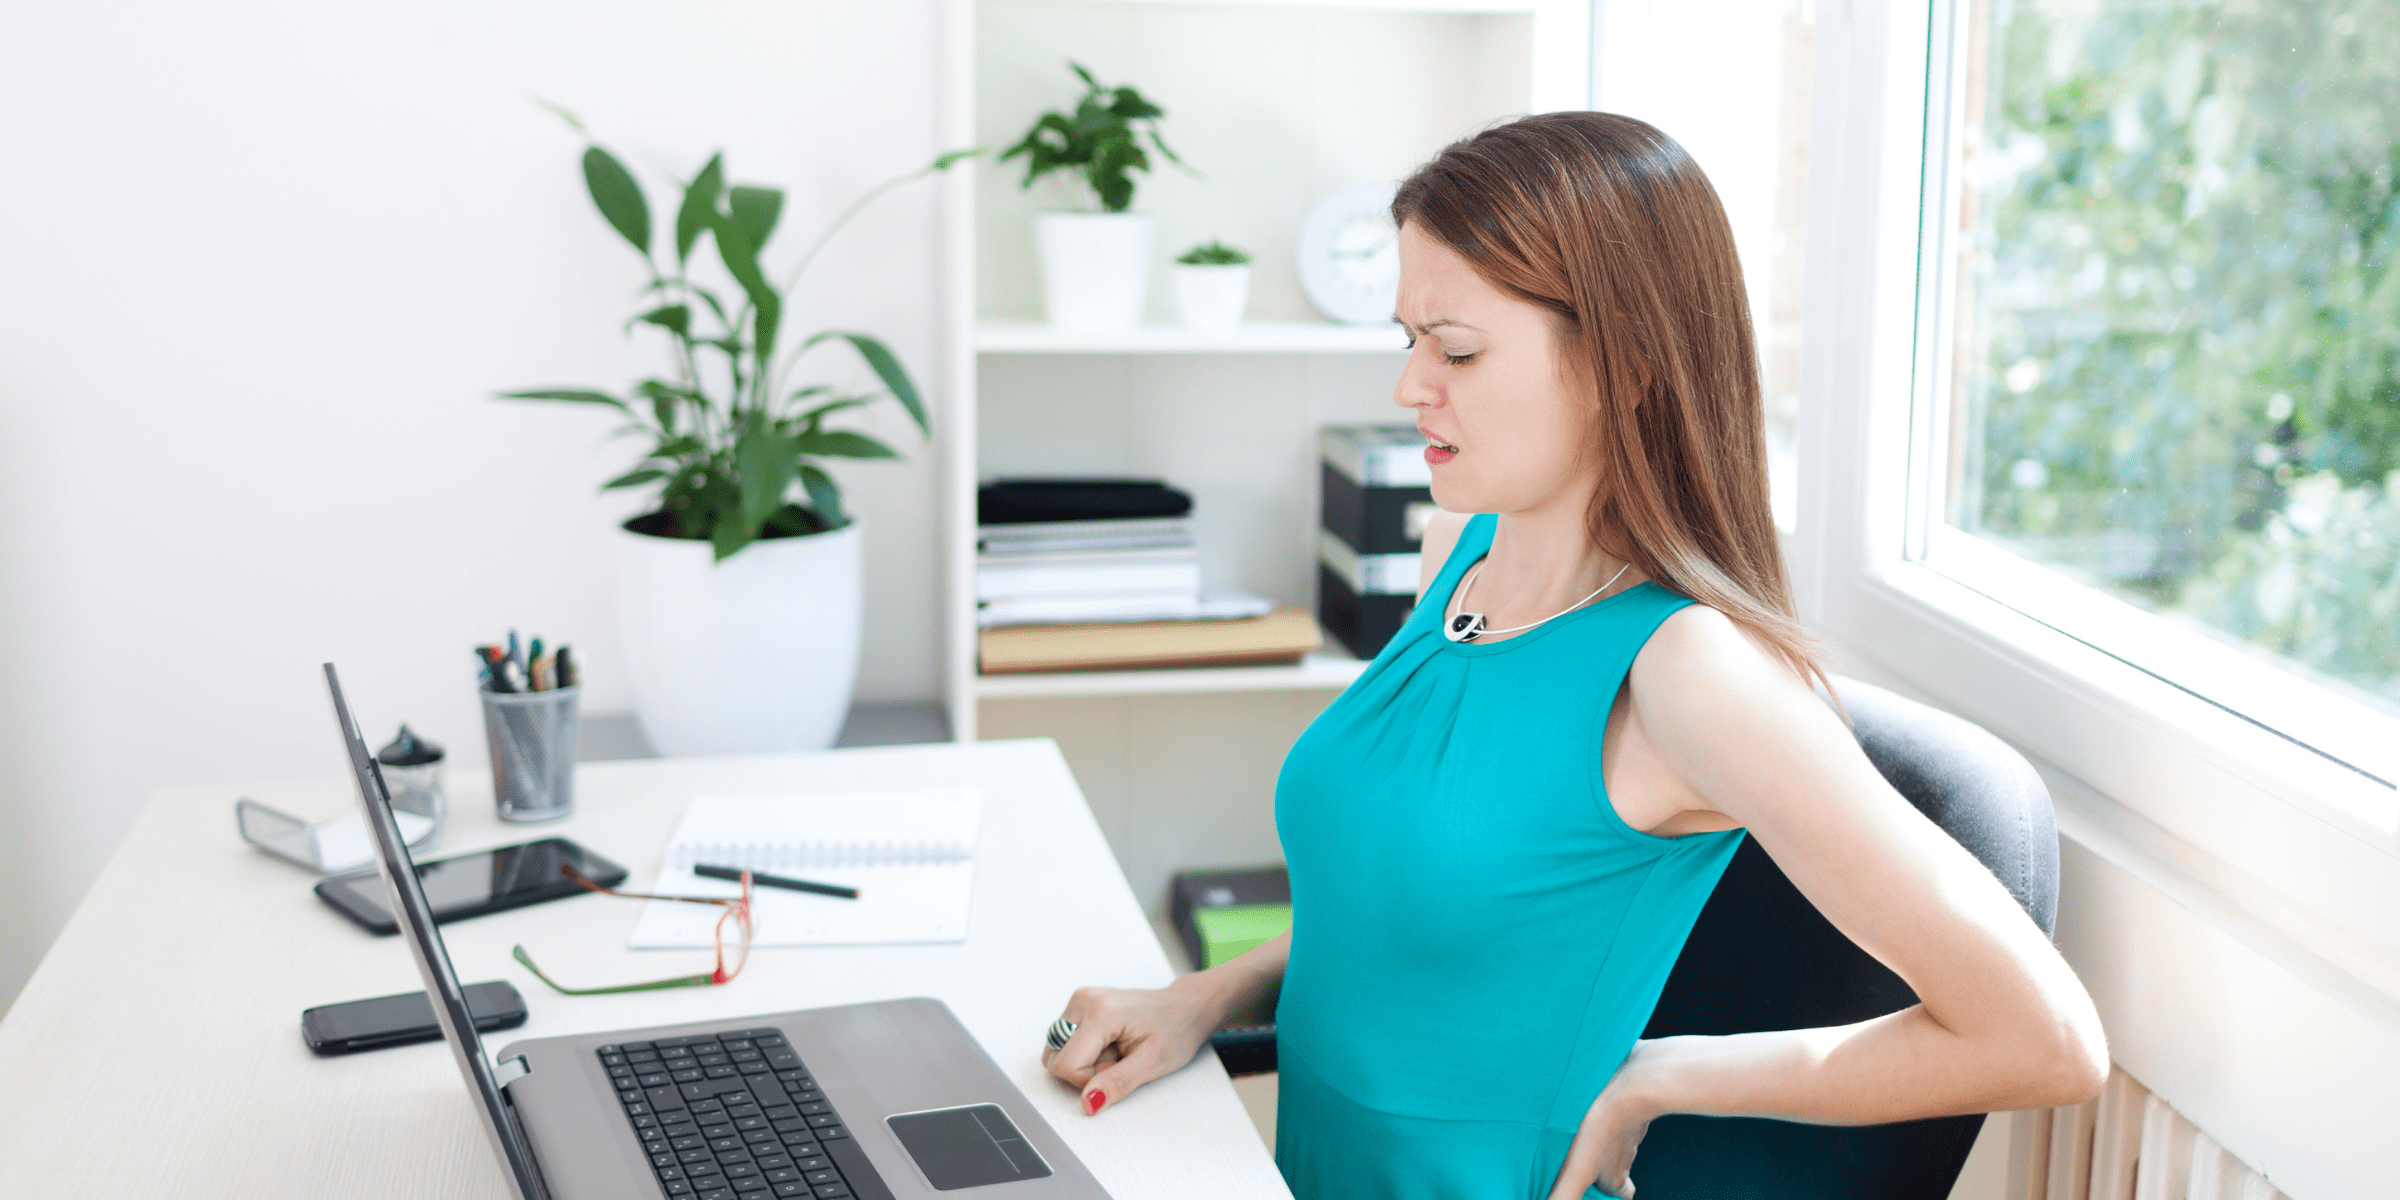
(471, 885)
(399, 1020)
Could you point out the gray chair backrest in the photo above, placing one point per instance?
(1972, 784)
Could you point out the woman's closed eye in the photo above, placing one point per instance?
(1456, 358)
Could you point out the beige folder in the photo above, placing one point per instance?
(1281, 636)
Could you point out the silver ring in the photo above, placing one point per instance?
(1060, 1030)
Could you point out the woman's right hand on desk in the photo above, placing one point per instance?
(1126, 1037)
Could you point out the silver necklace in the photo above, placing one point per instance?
(1467, 626)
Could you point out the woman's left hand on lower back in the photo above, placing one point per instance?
(1602, 1153)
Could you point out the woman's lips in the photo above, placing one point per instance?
(1438, 451)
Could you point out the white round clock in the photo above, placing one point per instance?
(1350, 254)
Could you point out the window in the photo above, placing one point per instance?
(2157, 348)
(2094, 629)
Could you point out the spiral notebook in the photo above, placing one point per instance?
(911, 855)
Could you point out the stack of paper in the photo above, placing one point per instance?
(1059, 551)
(911, 855)
(1141, 569)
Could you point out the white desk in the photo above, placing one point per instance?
(157, 1052)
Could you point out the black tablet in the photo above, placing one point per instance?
(471, 885)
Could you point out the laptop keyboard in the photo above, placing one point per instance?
(736, 1116)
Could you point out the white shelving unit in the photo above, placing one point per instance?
(1328, 671)
(1258, 337)
(1274, 104)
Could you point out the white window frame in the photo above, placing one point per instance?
(1988, 634)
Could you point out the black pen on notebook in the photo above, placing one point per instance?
(764, 880)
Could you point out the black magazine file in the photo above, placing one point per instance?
(1761, 957)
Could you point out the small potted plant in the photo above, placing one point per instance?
(1212, 285)
(1095, 265)
(740, 584)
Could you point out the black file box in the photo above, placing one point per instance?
(1374, 504)
(1361, 623)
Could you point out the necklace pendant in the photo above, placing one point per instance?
(1465, 627)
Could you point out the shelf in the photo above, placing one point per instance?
(1275, 103)
(1325, 672)
(1277, 337)
(1469, 7)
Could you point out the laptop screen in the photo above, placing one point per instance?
(433, 958)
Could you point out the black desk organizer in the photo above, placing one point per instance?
(1375, 501)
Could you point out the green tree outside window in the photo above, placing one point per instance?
(2181, 330)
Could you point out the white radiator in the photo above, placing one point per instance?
(2126, 1145)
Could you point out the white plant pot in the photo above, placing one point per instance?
(1095, 267)
(754, 655)
(1212, 296)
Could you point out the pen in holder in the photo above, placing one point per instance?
(534, 740)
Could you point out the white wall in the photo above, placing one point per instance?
(1708, 74)
(262, 263)
(1728, 79)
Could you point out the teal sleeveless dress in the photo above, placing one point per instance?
(1477, 938)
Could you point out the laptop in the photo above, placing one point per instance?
(885, 1101)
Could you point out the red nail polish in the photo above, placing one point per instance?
(1093, 1099)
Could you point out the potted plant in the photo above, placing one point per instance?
(1212, 285)
(740, 585)
(1095, 265)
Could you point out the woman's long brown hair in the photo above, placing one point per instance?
(1611, 226)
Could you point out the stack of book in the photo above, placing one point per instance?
(1070, 550)
(1087, 574)
(1377, 498)
(1145, 569)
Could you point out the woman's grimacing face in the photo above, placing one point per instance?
(1484, 378)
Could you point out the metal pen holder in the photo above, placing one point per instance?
(534, 737)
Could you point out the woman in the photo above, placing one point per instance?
(1500, 835)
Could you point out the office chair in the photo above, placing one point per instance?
(1761, 957)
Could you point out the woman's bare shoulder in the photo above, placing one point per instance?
(1701, 665)
(1735, 721)
(1441, 535)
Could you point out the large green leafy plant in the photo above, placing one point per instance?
(1099, 141)
(731, 437)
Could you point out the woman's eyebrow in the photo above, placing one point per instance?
(1436, 323)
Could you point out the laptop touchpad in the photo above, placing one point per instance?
(967, 1147)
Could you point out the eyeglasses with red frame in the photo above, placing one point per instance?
(737, 910)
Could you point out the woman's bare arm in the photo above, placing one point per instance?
(2002, 1021)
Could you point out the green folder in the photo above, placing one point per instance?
(1231, 929)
